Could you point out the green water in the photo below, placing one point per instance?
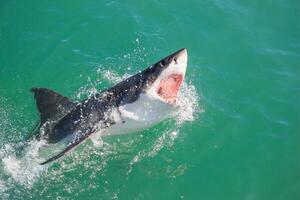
(239, 141)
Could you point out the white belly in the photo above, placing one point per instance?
(142, 114)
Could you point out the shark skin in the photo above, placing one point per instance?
(133, 104)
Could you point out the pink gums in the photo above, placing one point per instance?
(168, 87)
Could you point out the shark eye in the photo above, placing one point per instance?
(175, 59)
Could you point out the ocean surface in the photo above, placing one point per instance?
(236, 137)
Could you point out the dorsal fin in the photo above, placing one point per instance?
(50, 104)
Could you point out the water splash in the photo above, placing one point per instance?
(24, 169)
(188, 104)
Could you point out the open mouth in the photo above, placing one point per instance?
(169, 86)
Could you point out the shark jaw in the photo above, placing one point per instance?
(167, 84)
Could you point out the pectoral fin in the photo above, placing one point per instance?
(80, 138)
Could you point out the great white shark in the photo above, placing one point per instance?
(133, 104)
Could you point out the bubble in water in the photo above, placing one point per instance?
(188, 102)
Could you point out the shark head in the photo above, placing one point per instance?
(151, 95)
(165, 77)
(161, 81)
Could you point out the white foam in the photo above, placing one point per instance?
(188, 101)
(26, 169)
(113, 77)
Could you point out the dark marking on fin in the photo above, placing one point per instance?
(50, 104)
